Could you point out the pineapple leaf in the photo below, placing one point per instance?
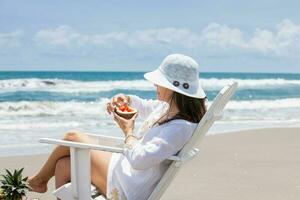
(8, 179)
(8, 172)
(14, 186)
(19, 174)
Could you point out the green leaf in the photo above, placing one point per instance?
(8, 172)
(25, 179)
(13, 185)
(7, 179)
(19, 174)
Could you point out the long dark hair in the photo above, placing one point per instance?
(190, 108)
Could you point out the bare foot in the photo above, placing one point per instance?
(37, 185)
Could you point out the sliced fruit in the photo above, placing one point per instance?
(125, 111)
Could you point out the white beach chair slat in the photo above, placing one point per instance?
(81, 145)
(81, 176)
(107, 140)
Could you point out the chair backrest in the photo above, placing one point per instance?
(213, 113)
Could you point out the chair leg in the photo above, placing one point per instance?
(80, 173)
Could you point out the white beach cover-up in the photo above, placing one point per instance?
(133, 175)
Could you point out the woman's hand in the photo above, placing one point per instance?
(118, 100)
(127, 125)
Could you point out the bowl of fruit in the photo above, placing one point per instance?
(125, 111)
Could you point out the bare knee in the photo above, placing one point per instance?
(75, 136)
(72, 136)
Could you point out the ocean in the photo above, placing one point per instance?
(49, 104)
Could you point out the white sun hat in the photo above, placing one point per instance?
(179, 73)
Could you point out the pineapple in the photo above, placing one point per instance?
(1, 195)
(14, 187)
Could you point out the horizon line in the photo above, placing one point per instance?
(132, 71)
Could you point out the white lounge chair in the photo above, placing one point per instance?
(80, 187)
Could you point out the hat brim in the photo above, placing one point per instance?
(158, 78)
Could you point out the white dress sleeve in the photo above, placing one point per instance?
(144, 106)
(167, 140)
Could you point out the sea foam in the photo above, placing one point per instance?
(72, 86)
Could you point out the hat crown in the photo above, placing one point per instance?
(180, 67)
(179, 73)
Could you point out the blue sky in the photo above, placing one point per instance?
(233, 36)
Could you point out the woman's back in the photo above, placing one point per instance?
(135, 173)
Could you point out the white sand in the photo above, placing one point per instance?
(261, 164)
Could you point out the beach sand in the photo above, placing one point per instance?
(262, 164)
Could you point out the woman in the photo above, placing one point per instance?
(169, 123)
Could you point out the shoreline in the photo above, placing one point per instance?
(213, 133)
(251, 164)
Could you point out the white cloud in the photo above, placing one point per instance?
(263, 41)
(66, 36)
(288, 38)
(283, 40)
(61, 36)
(107, 39)
(10, 40)
(222, 36)
(161, 36)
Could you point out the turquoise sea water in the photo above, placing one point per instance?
(48, 104)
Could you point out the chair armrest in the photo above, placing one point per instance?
(185, 157)
(81, 145)
(107, 140)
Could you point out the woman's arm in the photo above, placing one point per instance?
(144, 106)
(166, 141)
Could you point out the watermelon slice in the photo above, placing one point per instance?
(125, 111)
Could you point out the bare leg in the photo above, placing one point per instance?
(38, 183)
(99, 169)
(62, 171)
